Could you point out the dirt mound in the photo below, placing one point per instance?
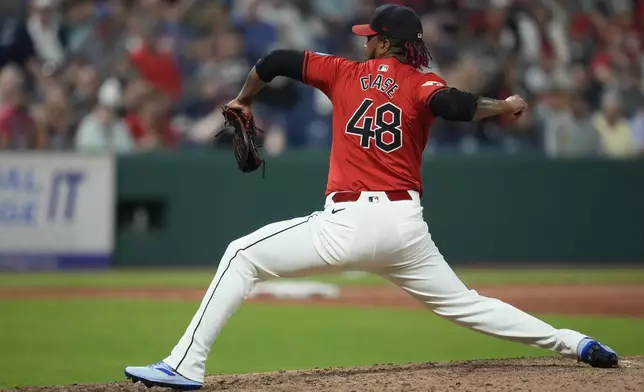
(552, 374)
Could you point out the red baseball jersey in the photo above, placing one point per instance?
(381, 120)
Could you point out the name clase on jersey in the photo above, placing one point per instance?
(387, 86)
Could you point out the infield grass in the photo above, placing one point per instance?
(51, 342)
(198, 278)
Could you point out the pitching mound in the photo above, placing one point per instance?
(552, 374)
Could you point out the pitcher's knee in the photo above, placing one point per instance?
(234, 253)
(240, 259)
(235, 248)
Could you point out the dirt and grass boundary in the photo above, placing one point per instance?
(596, 300)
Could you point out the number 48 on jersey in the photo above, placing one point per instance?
(387, 118)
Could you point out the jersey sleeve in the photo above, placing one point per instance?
(429, 85)
(321, 70)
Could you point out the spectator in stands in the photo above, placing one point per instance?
(586, 86)
(543, 34)
(98, 34)
(103, 130)
(568, 131)
(156, 63)
(176, 34)
(294, 31)
(638, 131)
(46, 32)
(631, 94)
(610, 59)
(545, 75)
(16, 46)
(260, 36)
(150, 124)
(55, 119)
(613, 128)
(226, 68)
(17, 128)
(134, 91)
(335, 11)
(83, 81)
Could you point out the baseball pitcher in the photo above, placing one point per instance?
(372, 219)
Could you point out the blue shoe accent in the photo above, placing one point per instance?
(596, 354)
(160, 375)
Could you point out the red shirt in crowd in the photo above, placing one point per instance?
(169, 137)
(17, 128)
(160, 69)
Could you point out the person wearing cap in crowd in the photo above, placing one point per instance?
(103, 129)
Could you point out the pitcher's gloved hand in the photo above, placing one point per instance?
(240, 122)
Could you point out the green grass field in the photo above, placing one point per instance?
(202, 277)
(48, 342)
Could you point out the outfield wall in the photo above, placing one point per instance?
(184, 208)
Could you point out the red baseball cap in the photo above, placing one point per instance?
(393, 21)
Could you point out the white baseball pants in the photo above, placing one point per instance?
(374, 235)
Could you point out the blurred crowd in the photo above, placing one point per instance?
(136, 75)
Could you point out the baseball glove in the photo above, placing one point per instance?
(245, 134)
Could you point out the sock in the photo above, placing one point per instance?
(582, 345)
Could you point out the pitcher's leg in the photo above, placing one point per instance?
(279, 249)
(430, 279)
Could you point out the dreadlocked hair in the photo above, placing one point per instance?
(414, 53)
